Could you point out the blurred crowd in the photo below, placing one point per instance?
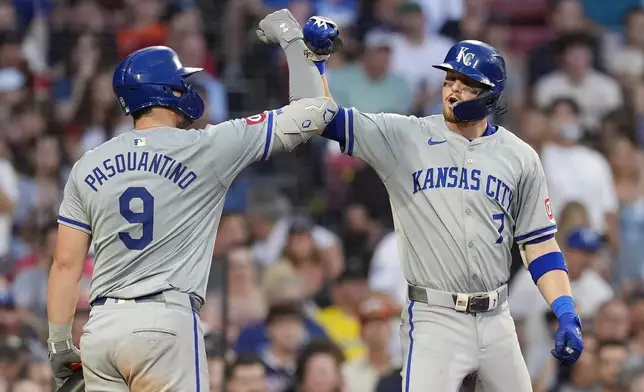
(305, 289)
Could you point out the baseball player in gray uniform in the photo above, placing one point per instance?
(462, 190)
(150, 200)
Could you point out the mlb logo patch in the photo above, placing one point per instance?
(139, 142)
(551, 216)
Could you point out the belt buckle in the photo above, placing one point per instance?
(478, 303)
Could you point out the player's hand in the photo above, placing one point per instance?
(322, 38)
(568, 340)
(63, 364)
(279, 27)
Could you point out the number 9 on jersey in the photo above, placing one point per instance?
(145, 218)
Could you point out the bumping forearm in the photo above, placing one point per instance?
(62, 294)
(327, 90)
(549, 272)
(304, 77)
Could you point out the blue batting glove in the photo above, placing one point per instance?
(568, 340)
(321, 36)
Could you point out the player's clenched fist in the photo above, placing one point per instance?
(568, 340)
(322, 37)
(279, 27)
(64, 358)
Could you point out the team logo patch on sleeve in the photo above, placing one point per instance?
(551, 216)
(256, 119)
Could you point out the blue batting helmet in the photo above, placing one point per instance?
(151, 77)
(483, 63)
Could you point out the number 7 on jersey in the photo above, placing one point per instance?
(501, 219)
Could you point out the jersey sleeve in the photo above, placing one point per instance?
(238, 143)
(374, 138)
(72, 213)
(534, 216)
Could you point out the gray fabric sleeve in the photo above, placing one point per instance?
(304, 77)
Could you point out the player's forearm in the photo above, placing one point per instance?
(327, 93)
(304, 77)
(547, 268)
(62, 293)
(327, 90)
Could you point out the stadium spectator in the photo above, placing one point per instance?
(246, 374)
(564, 17)
(575, 172)
(613, 322)
(363, 373)
(589, 289)
(627, 166)
(319, 368)
(370, 85)
(286, 333)
(596, 93)
(612, 357)
(426, 50)
(270, 217)
(340, 320)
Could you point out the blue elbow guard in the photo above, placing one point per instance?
(546, 263)
(563, 304)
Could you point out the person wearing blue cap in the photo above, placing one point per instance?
(589, 288)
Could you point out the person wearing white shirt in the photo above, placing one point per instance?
(8, 196)
(414, 51)
(385, 272)
(578, 173)
(597, 94)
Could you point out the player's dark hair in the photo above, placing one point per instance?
(141, 113)
(313, 348)
(244, 359)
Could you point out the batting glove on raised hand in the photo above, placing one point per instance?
(568, 340)
(64, 359)
(322, 38)
(279, 27)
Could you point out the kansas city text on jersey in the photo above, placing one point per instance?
(163, 165)
(462, 178)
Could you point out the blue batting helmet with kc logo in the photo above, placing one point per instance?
(483, 63)
(154, 76)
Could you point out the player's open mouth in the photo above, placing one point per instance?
(451, 101)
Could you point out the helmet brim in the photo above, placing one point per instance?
(466, 71)
(187, 71)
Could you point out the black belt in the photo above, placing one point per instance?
(195, 304)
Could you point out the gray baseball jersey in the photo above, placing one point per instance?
(152, 201)
(457, 204)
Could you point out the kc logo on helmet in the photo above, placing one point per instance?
(468, 59)
(551, 216)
